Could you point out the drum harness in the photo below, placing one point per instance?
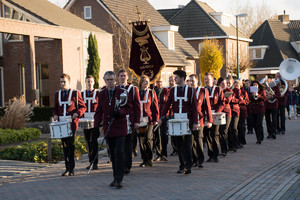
(89, 99)
(65, 103)
(127, 116)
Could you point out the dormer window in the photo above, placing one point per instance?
(87, 12)
(257, 52)
(166, 34)
(223, 18)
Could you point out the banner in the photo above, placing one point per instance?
(145, 58)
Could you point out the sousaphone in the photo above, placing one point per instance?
(289, 69)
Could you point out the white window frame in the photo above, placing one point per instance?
(22, 80)
(2, 85)
(1, 45)
(262, 48)
(84, 11)
(171, 35)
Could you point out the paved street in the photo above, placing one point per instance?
(266, 171)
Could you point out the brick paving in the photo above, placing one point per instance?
(265, 171)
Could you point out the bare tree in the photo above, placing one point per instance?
(244, 63)
(257, 14)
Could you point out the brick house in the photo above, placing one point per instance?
(197, 21)
(38, 42)
(274, 41)
(113, 16)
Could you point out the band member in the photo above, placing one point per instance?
(249, 118)
(90, 98)
(217, 103)
(114, 121)
(281, 107)
(183, 101)
(160, 135)
(149, 116)
(204, 109)
(227, 109)
(272, 109)
(244, 101)
(68, 103)
(257, 110)
(172, 84)
(134, 116)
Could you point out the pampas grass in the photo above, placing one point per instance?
(17, 113)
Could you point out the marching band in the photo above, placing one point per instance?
(217, 114)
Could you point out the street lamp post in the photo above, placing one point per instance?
(237, 43)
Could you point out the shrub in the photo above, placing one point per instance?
(8, 136)
(41, 114)
(37, 151)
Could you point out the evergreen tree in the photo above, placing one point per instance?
(93, 67)
(211, 58)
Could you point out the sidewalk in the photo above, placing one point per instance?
(266, 171)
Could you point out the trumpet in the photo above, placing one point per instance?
(268, 88)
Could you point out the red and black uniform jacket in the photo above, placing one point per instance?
(150, 109)
(217, 100)
(244, 103)
(257, 106)
(134, 101)
(235, 101)
(203, 106)
(91, 94)
(275, 96)
(227, 108)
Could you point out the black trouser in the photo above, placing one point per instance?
(233, 142)
(128, 151)
(224, 135)
(68, 149)
(184, 150)
(134, 142)
(242, 130)
(258, 127)
(250, 125)
(161, 140)
(116, 146)
(212, 138)
(197, 139)
(146, 144)
(271, 120)
(91, 139)
(281, 119)
(173, 143)
(157, 142)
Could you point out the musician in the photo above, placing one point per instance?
(217, 103)
(172, 84)
(204, 109)
(108, 113)
(257, 109)
(227, 109)
(244, 101)
(68, 102)
(134, 116)
(272, 109)
(149, 115)
(249, 122)
(281, 106)
(160, 135)
(183, 101)
(90, 98)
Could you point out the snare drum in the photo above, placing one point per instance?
(60, 130)
(143, 125)
(85, 123)
(89, 115)
(179, 127)
(219, 118)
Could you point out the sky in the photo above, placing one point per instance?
(292, 7)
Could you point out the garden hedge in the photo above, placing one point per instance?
(8, 136)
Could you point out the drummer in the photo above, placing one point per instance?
(204, 109)
(68, 102)
(134, 117)
(149, 116)
(90, 98)
(217, 103)
(185, 101)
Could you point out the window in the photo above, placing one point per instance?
(257, 52)
(6, 11)
(42, 77)
(1, 45)
(1, 88)
(87, 12)
(22, 79)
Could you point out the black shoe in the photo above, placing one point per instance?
(88, 167)
(164, 158)
(269, 136)
(274, 136)
(234, 149)
(158, 158)
(240, 146)
(283, 132)
(71, 173)
(200, 166)
(258, 142)
(194, 164)
(173, 154)
(143, 164)
(113, 184)
(118, 184)
(188, 171)
(65, 173)
(180, 171)
(95, 167)
(108, 161)
(215, 160)
(126, 171)
(150, 164)
(223, 154)
(210, 160)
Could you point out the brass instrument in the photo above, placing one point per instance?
(289, 69)
(268, 88)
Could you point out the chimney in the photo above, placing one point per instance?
(284, 18)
